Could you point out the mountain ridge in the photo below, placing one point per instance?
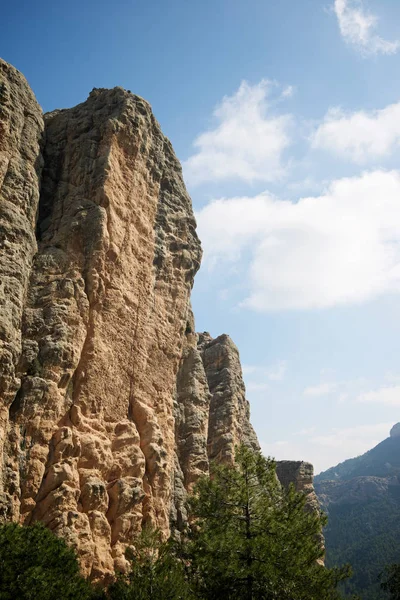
(361, 497)
(381, 461)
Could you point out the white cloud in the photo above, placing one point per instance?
(360, 136)
(247, 142)
(342, 247)
(252, 386)
(328, 449)
(389, 396)
(249, 369)
(392, 377)
(277, 372)
(323, 389)
(274, 372)
(288, 91)
(306, 431)
(358, 28)
(355, 439)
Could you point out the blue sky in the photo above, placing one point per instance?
(286, 117)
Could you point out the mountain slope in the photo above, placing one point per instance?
(362, 499)
(381, 461)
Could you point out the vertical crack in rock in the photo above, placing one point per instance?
(229, 420)
(191, 411)
(92, 430)
(111, 406)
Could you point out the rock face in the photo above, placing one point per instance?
(21, 130)
(301, 474)
(111, 406)
(357, 491)
(212, 415)
(395, 431)
(229, 421)
(89, 433)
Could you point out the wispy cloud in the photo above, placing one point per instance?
(358, 28)
(288, 91)
(389, 396)
(252, 386)
(357, 439)
(247, 142)
(359, 136)
(306, 431)
(334, 249)
(329, 449)
(275, 372)
(323, 389)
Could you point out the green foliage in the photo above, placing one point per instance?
(156, 572)
(391, 581)
(366, 535)
(364, 531)
(36, 565)
(252, 541)
(248, 540)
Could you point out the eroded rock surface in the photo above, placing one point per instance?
(111, 406)
(301, 474)
(229, 419)
(21, 131)
(212, 414)
(91, 428)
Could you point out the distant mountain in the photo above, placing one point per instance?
(381, 461)
(362, 499)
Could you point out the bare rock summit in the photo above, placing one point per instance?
(395, 431)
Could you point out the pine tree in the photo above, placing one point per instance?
(391, 581)
(37, 565)
(156, 572)
(251, 540)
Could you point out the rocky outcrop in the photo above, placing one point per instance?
(21, 129)
(90, 434)
(111, 406)
(301, 474)
(191, 411)
(357, 491)
(229, 419)
(395, 431)
(212, 414)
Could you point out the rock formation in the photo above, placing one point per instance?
(111, 406)
(229, 420)
(301, 474)
(21, 130)
(395, 431)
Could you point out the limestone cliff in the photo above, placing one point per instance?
(92, 345)
(301, 474)
(111, 406)
(212, 414)
(21, 130)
